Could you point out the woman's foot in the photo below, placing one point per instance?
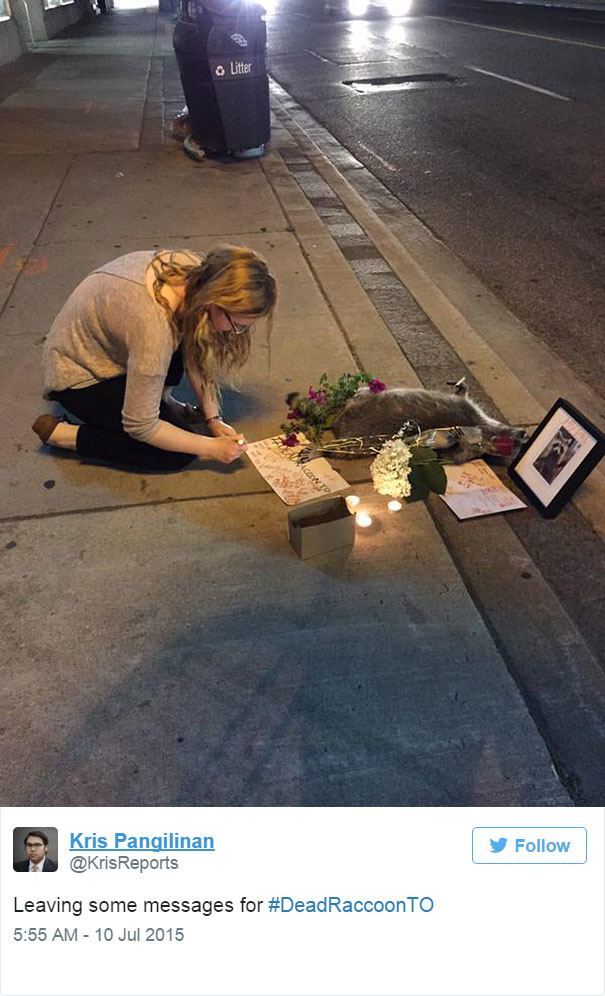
(193, 149)
(190, 413)
(180, 127)
(54, 431)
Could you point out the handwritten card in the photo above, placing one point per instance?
(473, 489)
(293, 483)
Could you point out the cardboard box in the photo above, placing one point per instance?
(320, 526)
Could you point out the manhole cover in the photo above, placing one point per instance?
(414, 82)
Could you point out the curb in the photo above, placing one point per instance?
(354, 313)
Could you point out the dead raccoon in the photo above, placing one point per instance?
(368, 414)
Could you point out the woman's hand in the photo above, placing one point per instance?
(219, 428)
(225, 449)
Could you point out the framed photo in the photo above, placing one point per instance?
(563, 450)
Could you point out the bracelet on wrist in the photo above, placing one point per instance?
(213, 418)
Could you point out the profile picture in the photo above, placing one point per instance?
(556, 455)
(35, 849)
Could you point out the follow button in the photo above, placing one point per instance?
(530, 845)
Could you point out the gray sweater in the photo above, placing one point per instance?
(109, 326)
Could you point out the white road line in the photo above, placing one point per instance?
(507, 79)
(583, 20)
(510, 31)
(318, 56)
(375, 155)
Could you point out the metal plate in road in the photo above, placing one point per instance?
(381, 84)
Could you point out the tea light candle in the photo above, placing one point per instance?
(394, 505)
(363, 519)
(352, 502)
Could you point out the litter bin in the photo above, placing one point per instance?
(220, 48)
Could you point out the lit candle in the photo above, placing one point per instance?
(363, 519)
(352, 502)
(394, 506)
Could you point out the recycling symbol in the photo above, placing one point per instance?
(220, 71)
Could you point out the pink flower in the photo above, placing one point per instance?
(319, 397)
(291, 440)
(376, 386)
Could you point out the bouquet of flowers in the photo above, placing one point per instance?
(405, 470)
(316, 413)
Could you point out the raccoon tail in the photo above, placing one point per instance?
(460, 386)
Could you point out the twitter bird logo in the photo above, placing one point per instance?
(498, 845)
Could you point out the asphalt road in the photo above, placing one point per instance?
(504, 161)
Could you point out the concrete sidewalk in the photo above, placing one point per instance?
(163, 645)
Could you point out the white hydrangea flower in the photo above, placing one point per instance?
(391, 469)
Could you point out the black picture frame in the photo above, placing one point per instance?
(558, 456)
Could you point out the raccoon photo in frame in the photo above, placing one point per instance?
(560, 454)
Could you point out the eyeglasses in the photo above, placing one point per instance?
(34, 845)
(238, 329)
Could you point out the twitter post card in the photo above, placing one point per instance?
(302, 901)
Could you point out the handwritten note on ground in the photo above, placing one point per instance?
(473, 489)
(293, 483)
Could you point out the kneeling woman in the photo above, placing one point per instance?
(124, 338)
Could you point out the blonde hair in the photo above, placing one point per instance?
(233, 278)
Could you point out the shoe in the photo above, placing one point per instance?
(184, 411)
(257, 150)
(193, 414)
(45, 425)
(180, 127)
(193, 149)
